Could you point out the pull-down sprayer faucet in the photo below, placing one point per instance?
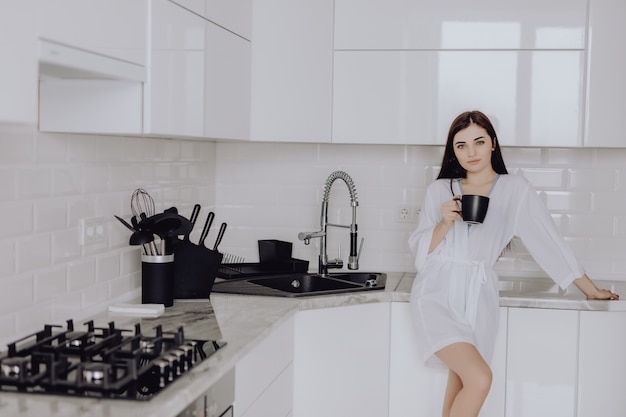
(353, 260)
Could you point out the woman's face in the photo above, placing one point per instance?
(473, 148)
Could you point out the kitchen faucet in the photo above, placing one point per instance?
(353, 260)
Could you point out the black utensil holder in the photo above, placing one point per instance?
(157, 280)
(195, 269)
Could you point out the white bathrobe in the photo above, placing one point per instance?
(455, 294)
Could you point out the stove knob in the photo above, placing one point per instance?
(174, 369)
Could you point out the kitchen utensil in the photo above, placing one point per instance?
(125, 223)
(144, 238)
(141, 204)
(195, 266)
(205, 230)
(220, 236)
(168, 226)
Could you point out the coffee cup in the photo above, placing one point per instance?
(473, 208)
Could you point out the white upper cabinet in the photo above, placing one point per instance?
(459, 24)
(404, 69)
(233, 15)
(81, 36)
(174, 102)
(534, 98)
(19, 68)
(292, 70)
(606, 95)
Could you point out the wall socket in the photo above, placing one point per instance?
(91, 231)
(407, 214)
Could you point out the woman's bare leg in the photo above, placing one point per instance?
(452, 389)
(464, 360)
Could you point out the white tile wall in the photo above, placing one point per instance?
(274, 191)
(48, 182)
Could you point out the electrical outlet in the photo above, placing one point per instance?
(407, 214)
(91, 231)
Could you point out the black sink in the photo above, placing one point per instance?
(304, 284)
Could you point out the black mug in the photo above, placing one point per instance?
(157, 280)
(473, 208)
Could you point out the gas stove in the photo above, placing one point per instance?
(101, 362)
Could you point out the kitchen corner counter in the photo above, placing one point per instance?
(243, 321)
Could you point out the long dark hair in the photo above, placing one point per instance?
(450, 166)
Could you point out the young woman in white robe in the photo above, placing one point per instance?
(454, 299)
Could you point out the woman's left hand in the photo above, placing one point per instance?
(603, 294)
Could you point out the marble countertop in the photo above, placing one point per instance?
(243, 321)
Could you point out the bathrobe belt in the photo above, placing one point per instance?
(464, 292)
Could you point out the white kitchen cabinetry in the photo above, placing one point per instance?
(19, 68)
(198, 85)
(601, 381)
(199, 77)
(292, 70)
(606, 85)
(410, 97)
(405, 68)
(233, 15)
(541, 363)
(458, 24)
(341, 361)
(416, 390)
(264, 377)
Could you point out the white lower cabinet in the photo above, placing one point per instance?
(602, 369)
(264, 378)
(542, 361)
(416, 390)
(341, 361)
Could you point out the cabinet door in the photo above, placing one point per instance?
(416, 390)
(114, 28)
(175, 91)
(341, 361)
(606, 100)
(410, 97)
(459, 24)
(601, 370)
(18, 71)
(541, 363)
(233, 15)
(292, 69)
(264, 377)
(227, 85)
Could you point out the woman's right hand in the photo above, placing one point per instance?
(450, 211)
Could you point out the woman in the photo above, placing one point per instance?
(454, 299)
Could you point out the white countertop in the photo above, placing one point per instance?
(243, 321)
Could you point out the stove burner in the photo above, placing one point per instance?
(100, 362)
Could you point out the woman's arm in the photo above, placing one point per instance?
(586, 285)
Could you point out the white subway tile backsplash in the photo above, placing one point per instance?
(18, 292)
(33, 252)
(596, 179)
(50, 283)
(263, 191)
(34, 182)
(573, 202)
(543, 178)
(8, 184)
(81, 274)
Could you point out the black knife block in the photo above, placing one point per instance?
(195, 269)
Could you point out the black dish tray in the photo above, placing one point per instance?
(244, 270)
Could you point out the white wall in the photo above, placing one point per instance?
(264, 191)
(275, 191)
(50, 181)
